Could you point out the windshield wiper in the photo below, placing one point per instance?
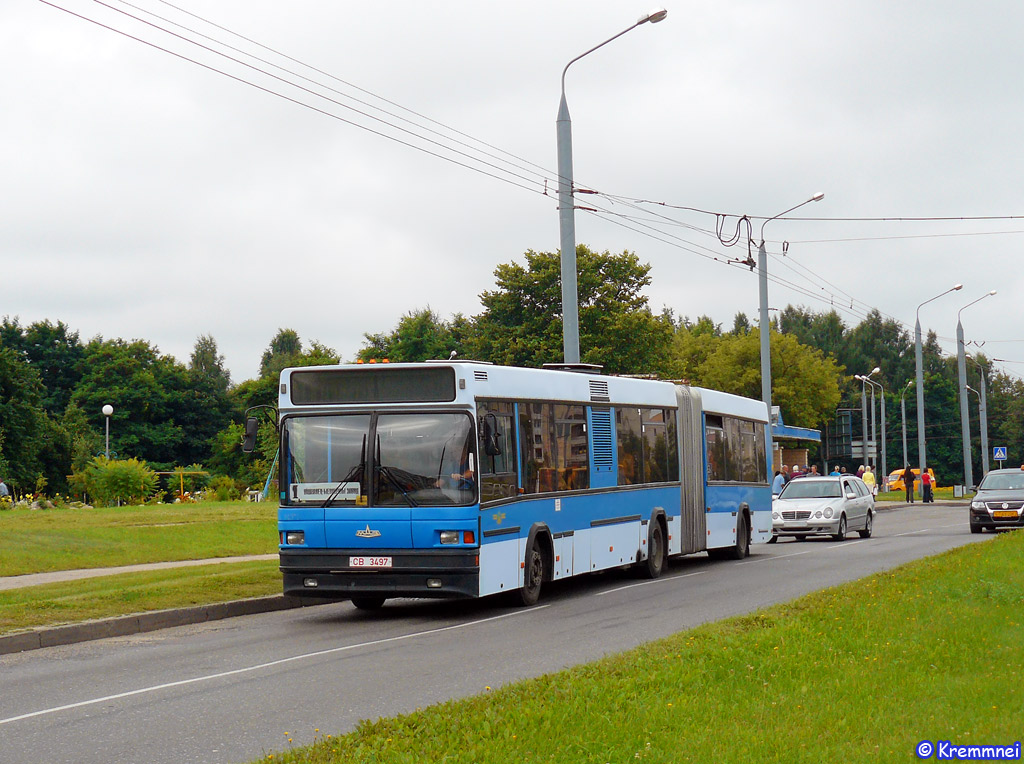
(386, 474)
(356, 471)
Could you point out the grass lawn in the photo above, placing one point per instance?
(37, 541)
(129, 593)
(859, 673)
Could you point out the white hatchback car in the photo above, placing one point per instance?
(823, 506)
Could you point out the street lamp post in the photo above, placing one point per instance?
(107, 411)
(567, 209)
(983, 416)
(903, 417)
(961, 369)
(919, 361)
(882, 389)
(766, 352)
(864, 413)
(981, 407)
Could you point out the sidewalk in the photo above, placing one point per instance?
(141, 622)
(35, 579)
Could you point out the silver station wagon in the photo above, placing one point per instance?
(823, 506)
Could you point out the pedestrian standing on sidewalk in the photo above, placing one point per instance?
(4, 493)
(926, 487)
(908, 483)
(869, 480)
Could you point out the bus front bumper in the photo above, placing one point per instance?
(330, 574)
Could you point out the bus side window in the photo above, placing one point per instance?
(628, 430)
(497, 470)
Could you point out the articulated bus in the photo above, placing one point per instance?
(465, 479)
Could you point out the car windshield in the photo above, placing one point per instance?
(1003, 482)
(414, 459)
(811, 489)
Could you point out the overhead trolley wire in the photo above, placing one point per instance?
(299, 102)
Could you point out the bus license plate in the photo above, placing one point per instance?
(369, 562)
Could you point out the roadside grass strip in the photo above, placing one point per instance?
(69, 602)
(40, 541)
(932, 650)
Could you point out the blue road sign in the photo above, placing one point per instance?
(999, 453)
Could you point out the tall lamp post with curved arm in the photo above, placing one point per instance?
(762, 277)
(864, 412)
(903, 417)
(567, 209)
(918, 357)
(961, 369)
(882, 389)
(983, 416)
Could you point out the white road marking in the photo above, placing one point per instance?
(775, 557)
(652, 581)
(257, 667)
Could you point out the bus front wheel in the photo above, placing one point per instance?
(533, 576)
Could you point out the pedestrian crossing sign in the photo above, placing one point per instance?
(999, 453)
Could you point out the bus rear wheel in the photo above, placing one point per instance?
(533, 576)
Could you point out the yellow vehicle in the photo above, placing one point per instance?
(896, 480)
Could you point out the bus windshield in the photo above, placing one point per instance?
(380, 460)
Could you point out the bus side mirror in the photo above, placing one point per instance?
(251, 428)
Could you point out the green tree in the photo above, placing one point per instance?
(522, 322)
(284, 347)
(420, 335)
(25, 430)
(54, 351)
(147, 391)
(805, 383)
(206, 362)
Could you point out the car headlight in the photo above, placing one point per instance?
(775, 515)
(977, 505)
(828, 511)
(817, 515)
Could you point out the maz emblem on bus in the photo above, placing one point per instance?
(368, 534)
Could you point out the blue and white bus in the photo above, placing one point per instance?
(465, 479)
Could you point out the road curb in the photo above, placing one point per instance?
(145, 622)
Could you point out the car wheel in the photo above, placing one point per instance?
(840, 534)
(773, 539)
(976, 528)
(868, 523)
(801, 537)
(368, 603)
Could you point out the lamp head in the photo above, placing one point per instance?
(818, 196)
(992, 292)
(958, 287)
(875, 370)
(108, 410)
(658, 14)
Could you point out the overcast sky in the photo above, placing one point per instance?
(145, 196)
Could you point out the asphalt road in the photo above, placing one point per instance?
(235, 690)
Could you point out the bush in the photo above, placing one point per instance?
(118, 481)
(222, 488)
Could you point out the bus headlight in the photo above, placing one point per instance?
(294, 538)
(449, 537)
